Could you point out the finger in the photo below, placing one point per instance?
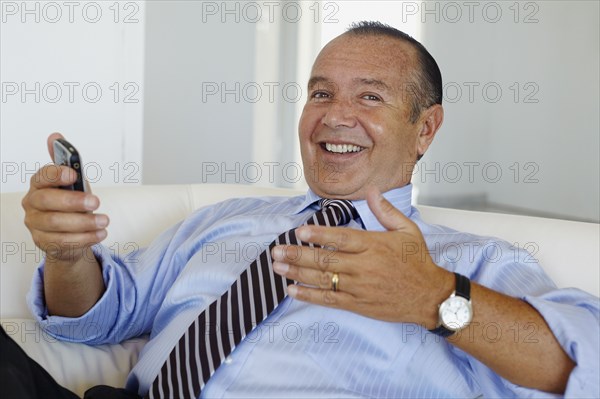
(338, 299)
(50, 143)
(53, 176)
(62, 200)
(312, 277)
(322, 259)
(69, 222)
(389, 217)
(339, 238)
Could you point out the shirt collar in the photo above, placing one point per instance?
(400, 198)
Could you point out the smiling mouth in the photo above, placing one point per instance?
(341, 148)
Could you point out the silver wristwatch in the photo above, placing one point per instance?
(456, 312)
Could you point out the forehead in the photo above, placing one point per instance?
(382, 58)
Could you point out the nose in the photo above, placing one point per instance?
(339, 114)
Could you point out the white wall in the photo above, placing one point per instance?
(196, 114)
(192, 135)
(54, 58)
(224, 83)
(337, 17)
(544, 139)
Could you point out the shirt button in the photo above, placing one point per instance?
(228, 360)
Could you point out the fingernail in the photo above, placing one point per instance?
(90, 202)
(302, 234)
(280, 267)
(292, 290)
(101, 234)
(101, 221)
(277, 253)
(66, 175)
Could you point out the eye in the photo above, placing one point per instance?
(319, 95)
(371, 97)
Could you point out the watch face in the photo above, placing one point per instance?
(456, 313)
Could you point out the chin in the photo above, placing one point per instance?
(338, 191)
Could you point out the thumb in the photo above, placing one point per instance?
(389, 217)
(50, 143)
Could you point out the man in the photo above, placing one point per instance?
(363, 304)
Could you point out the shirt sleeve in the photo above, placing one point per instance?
(136, 285)
(572, 315)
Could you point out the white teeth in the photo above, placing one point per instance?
(342, 148)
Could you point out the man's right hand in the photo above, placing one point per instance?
(62, 225)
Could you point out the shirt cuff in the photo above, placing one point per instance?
(91, 327)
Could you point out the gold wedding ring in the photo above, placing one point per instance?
(335, 282)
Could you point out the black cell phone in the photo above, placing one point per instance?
(66, 154)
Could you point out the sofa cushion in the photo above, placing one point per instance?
(75, 366)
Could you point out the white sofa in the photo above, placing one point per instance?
(568, 251)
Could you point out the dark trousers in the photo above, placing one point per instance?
(22, 377)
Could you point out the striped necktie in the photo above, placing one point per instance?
(224, 324)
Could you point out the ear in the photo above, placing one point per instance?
(431, 119)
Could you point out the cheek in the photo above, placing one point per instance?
(307, 124)
(398, 140)
(386, 132)
(380, 122)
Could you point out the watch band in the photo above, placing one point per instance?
(463, 288)
(442, 331)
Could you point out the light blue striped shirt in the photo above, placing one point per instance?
(304, 350)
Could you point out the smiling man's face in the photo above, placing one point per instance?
(355, 129)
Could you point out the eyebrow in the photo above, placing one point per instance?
(315, 80)
(380, 84)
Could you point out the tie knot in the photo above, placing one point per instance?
(343, 209)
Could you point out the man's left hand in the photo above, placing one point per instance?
(383, 275)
